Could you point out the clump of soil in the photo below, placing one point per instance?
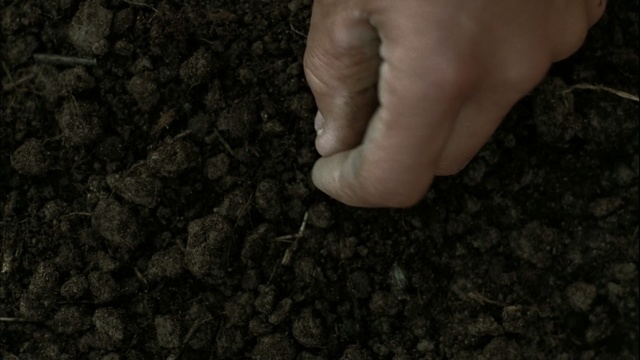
(158, 204)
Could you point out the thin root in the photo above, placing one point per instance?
(224, 143)
(622, 94)
(297, 31)
(297, 235)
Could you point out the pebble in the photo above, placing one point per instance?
(581, 295)
(308, 330)
(79, 122)
(168, 331)
(274, 346)
(30, 158)
(140, 190)
(110, 327)
(207, 246)
(90, 27)
(173, 157)
(115, 223)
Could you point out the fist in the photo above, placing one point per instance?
(410, 89)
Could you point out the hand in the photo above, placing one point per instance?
(410, 89)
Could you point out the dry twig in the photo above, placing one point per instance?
(293, 239)
(64, 60)
(224, 143)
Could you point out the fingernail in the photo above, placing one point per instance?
(318, 123)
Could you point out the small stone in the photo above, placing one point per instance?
(624, 271)
(236, 203)
(143, 65)
(90, 27)
(217, 166)
(554, 115)
(112, 148)
(207, 246)
(358, 285)
(115, 223)
(384, 303)
(604, 206)
(122, 20)
(30, 158)
(74, 288)
(140, 190)
(238, 120)
(80, 122)
(19, 49)
(273, 127)
(532, 243)
(268, 199)
(258, 326)
(196, 70)
(253, 246)
(123, 48)
(353, 352)
(33, 307)
(500, 348)
(581, 295)
(69, 320)
(200, 339)
(144, 90)
(308, 330)
(239, 308)
(484, 325)
(266, 298)
(274, 346)
(425, 346)
(44, 280)
(281, 312)
(198, 126)
(75, 80)
(104, 287)
(104, 262)
(320, 215)
(166, 264)
(110, 328)
(229, 341)
(250, 280)
(474, 172)
(168, 331)
(173, 157)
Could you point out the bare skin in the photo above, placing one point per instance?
(411, 89)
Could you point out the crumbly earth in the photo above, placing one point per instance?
(145, 202)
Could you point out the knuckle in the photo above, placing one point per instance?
(315, 69)
(454, 76)
(389, 192)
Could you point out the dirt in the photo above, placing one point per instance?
(152, 200)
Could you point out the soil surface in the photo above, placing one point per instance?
(153, 183)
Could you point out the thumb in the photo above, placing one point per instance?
(341, 66)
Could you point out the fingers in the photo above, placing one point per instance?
(595, 10)
(341, 65)
(420, 97)
(571, 20)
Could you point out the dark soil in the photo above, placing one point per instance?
(145, 202)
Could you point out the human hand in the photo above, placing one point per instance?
(410, 89)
